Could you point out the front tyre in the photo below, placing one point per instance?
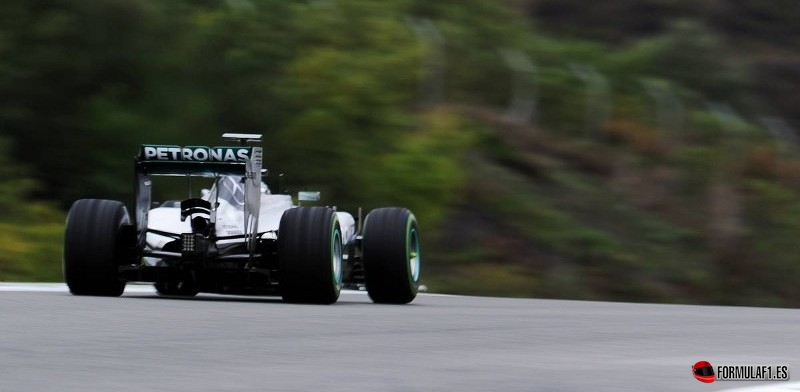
(92, 247)
(391, 253)
(310, 255)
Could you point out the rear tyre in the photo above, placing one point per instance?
(310, 255)
(391, 253)
(92, 247)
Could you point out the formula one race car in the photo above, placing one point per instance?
(237, 238)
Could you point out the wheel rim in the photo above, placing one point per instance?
(413, 255)
(336, 258)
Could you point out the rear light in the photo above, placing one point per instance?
(192, 243)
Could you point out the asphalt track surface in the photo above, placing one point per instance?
(52, 341)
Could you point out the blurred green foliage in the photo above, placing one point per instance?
(357, 99)
(31, 233)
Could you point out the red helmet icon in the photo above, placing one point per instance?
(703, 371)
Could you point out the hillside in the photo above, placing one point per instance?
(638, 151)
(759, 38)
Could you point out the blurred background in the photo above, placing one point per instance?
(617, 150)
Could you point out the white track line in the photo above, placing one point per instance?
(131, 288)
(62, 288)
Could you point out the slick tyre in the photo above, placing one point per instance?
(92, 249)
(310, 255)
(391, 253)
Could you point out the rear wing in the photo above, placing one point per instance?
(161, 160)
(200, 161)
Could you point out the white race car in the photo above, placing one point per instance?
(237, 237)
